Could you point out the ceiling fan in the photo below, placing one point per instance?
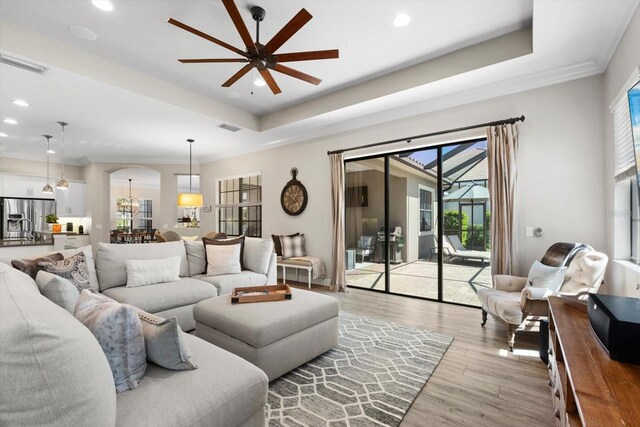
(259, 56)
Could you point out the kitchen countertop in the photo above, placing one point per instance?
(24, 242)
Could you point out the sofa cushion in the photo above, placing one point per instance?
(505, 305)
(31, 266)
(74, 269)
(110, 260)
(164, 342)
(118, 329)
(260, 324)
(223, 259)
(257, 253)
(225, 390)
(225, 242)
(91, 265)
(163, 296)
(52, 370)
(225, 283)
(58, 290)
(151, 271)
(196, 257)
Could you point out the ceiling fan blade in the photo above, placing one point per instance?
(307, 56)
(288, 30)
(268, 78)
(203, 61)
(205, 36)
(295, 73)
(244, 70)
(233, 12)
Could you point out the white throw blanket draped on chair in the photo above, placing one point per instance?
(502, 148)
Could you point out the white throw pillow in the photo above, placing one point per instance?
(257, 254)
(58, 290)
(151, 271)
(223, 259)
(544, 276)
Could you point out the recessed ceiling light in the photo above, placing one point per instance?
(3, 135)
(259, 82)
(401, 20)
(10, 122)
(82, 32)
(105, 5)
(20, 102)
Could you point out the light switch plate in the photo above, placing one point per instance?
(528, 231)
(98, 226)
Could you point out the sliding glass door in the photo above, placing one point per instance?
(393, 218)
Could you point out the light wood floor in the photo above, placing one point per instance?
(478, 382)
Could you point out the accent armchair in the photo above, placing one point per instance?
(513, 298)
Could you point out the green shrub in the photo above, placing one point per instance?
(452, 224)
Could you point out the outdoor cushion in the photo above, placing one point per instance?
(225, 283)
(52, 370)
(261, 324)
(505, 305)
(225, 390)
(163, 296)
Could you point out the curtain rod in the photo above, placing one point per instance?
(425, 135)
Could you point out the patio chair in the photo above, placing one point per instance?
(513, 298)
(457, 250)
(366, 247)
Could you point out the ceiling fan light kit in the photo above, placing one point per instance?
(261, 57)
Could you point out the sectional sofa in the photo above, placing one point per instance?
(54, 372)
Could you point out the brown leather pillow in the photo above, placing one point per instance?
(222, 242)
(277, 245)
(31, 267)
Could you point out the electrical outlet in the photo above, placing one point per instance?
(528, 231)
(98, 226)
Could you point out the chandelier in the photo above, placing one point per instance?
(129, 204)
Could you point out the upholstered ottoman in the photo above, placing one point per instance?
(275, 336)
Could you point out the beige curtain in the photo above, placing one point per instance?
(502, 148)
(339, 275)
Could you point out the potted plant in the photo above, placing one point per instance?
(50, 220)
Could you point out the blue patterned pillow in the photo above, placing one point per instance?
(118, 329)
(74, 269)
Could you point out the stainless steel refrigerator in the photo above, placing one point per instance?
(21, 217)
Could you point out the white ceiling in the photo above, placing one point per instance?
(145, 104)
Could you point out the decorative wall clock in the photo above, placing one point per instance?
(294, 196)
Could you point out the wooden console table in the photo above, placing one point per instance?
(588, 388)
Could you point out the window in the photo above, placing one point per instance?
(143, 218)
(426, 209)
(625, 175)
(240, 206)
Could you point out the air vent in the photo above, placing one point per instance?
(25, 65)
(230, 128)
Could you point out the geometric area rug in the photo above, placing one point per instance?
(370, 379)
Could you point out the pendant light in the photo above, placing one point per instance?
(47, 189)
(190, 199)
(62, 183)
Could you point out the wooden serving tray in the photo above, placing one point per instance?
(260, 294)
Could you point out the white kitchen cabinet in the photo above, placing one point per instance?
(24, 186)
(71, 202)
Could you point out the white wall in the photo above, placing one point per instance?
(560, 179)
(622, 276)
